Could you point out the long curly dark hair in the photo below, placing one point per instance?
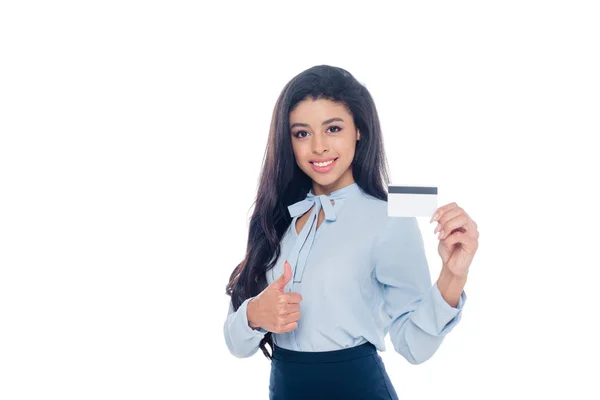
(282, 182)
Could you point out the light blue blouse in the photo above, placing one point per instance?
(361, 275)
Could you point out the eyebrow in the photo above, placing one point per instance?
(324, 122)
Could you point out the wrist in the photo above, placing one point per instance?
(451, 286)
(448, 274)
(251, 313)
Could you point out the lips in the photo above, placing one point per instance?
(324, 169)
(323, 161)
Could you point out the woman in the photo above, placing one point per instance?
(327, 274)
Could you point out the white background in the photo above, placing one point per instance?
(132, 136)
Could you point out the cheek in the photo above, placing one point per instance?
(299, 155)
(349, 147)
(300, 151)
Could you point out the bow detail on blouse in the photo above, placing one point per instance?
(321, 201)
(306, 237)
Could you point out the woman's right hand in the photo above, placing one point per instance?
(273, 309)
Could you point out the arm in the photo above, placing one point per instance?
(451, 286)
(242, 341)
(419, 316)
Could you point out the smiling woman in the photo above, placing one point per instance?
(324, 143)
(327, 274)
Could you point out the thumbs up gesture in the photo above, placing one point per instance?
(273, 309)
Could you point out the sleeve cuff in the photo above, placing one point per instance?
(434, 315)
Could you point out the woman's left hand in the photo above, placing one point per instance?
(458, 240)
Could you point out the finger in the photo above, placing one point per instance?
(283, 280)
(291, 307)
(289, 318)
(458, 222)
(291, 297)
(287, 273)
(441, 211)
(450, 214)
(287, 308)
(465, 241)
(456, 237)
(455, 212)
(289, 327)
(472, 231)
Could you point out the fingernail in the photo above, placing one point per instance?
(437, 228)
(434, 218)
(441, 234)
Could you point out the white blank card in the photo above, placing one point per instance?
(412, 201)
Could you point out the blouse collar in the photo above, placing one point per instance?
(323, 201)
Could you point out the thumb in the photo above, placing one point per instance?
(285, 278)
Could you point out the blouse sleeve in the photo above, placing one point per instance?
(242, 340)
(419, 316)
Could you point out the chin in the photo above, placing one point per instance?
(325, 181)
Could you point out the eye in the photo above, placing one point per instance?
(297, 134)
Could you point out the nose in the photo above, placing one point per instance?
(320, 144)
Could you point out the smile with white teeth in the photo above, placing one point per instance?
(323, 164)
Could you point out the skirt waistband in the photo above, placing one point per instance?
(350, 353)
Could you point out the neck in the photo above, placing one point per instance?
(318, 189)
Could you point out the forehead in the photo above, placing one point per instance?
(317, 110)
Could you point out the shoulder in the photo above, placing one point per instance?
(375, 211)
(371, 216)
(370, 207)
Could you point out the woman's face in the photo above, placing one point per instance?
(323, 130)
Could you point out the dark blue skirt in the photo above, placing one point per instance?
(353, 373)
